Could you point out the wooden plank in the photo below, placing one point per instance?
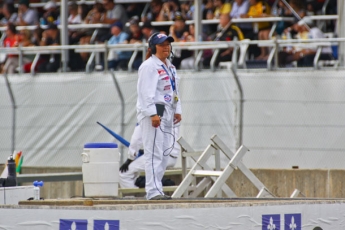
(142, 190)
(50, 177)
(70, 176)
(206, 173)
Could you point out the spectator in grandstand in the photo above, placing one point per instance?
(178, 30)
(240, 7)
(304, 55)
(188, 63)
(169, 8)
(24, 39)
(118, 59)
(96, 14)
(147, 29)
(279, 10)
(35, 41)
(37, 36)
(115, 12)
(155, 13)
(208, 14)
(310, 8)
(26, 15)
(134, 9)
(11, 40)
(51, 13)
(260, 9)
(222, 7)
(187, 9)
(299, 8)
(50, 37)
(10, 14)
(226, 32)
(74, 17)
(135, 36)
(83, 11)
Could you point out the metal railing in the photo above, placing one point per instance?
(198, 47)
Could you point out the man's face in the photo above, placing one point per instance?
(134, 28)
(179, 25)
(156, 8)
(115, 30)
(21, 7)
(217, 3)
(108, 5)
(223, 20)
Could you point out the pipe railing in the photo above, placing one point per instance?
(195, 46)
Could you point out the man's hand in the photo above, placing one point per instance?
(156, 121)
(124, 167)
(177, 118)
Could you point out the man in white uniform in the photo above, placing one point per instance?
(158, 108)
(135, 163)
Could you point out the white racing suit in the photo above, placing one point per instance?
(157, 84)
(127, 179)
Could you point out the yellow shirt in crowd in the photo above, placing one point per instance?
(257, 10)
(225, 9)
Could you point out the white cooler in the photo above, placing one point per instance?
(100, 169)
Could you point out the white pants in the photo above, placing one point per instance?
(187, 63)
(136, 143)
(157, 143)
(127, 179)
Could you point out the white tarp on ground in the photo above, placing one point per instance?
(291, 118)
(275, 215)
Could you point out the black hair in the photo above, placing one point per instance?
(11, 27)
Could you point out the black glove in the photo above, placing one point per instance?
(125, 165)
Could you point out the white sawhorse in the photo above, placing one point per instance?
(200, 165)
(210, 175)
(263, 191)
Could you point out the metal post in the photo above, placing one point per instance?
(64, 33)
(122, 131)
(197, 20)
(240, 131)
(197, 27)
(341, 32)
(276, 53)
(14, 108)
(106, 56)
(20, 59)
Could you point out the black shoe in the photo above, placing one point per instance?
(161, 197)
(167, 197)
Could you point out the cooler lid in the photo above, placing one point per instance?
(100, 145)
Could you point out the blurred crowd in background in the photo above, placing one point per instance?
(124, 27)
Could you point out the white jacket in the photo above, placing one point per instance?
(154, 87)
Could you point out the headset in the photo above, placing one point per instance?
(153, 46)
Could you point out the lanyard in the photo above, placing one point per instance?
(172, 79)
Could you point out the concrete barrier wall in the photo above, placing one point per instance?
(311, 183)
